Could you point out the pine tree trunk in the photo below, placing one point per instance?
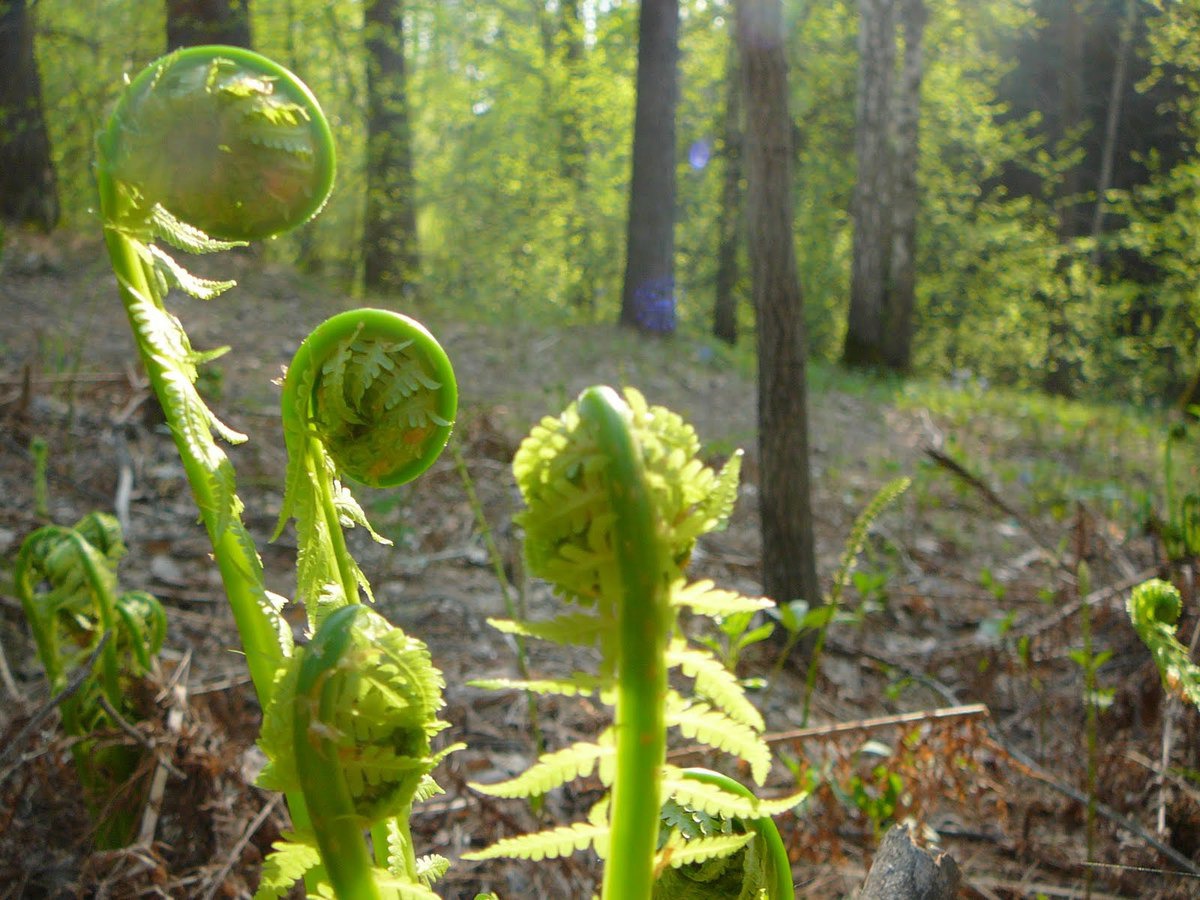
(194, 22)
(729, 215)
(900, 292)
(871, 204)
(789, 566)
(648, 294)
(390, 254)
(28, 188)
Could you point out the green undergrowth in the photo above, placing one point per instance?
(1048, 454)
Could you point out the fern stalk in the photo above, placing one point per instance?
(643, 620)
(241, 574)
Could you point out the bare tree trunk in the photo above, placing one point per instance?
(789, 565)
(1058, 375)
(390, 255)
(648, 294)
(28, 187)
(729, 216)
(1112, 121)
(581, 291)
(871, 205)
(900, 291)
(194, 22)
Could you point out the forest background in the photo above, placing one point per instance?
(1056, 173)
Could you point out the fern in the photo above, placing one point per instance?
(1154, 608)
(616, 498)
(551, 844)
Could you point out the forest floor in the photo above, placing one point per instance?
(966, 596)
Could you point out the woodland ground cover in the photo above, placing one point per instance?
(962, 596)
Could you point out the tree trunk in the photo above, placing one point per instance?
(390, 255)
(729, 216)
(648, 294)
(1112, 122)
(871, 204)
(900, 293)
(573, 154)
(789, 566)
(28, 188)
(194, 22)
(1059, 371)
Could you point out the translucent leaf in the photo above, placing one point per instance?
(551, 844)
(550, 771)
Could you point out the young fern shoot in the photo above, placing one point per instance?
(370, 397)
(210, 147)
(66, 579)
(207, 148)
(615, 500)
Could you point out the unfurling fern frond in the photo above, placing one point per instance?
(616, 498)
(350, 727)
(1154, 608)
(370, 396)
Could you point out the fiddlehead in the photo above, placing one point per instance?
(208, 146)
(370, 396)
(224, 141)
(1154, 608)
(616, 498)
(351, 727)
(66, 579)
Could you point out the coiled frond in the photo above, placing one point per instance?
(350, 726)
(616, 498)
(1154, 608)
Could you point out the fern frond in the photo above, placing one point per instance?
(581, 629)
(551, 844)
(715, 683)
(578, 683)
(859, 531)
(176, 274)
(704, 598)
(550, 771)
(678, 852)
(183, 236)
(699, 721)
(713, 801)
(431, 867)
(286, 864)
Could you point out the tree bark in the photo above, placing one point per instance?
(573, 158)
(390, 253)
(871, 203)
(789, 565)
(1059, 371)
(28, 187)
(648, 294)
(900, 291)
(194, 22)
(729, 216)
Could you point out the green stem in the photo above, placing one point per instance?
(336, 825)
(642, 624)
(240, 573)
(780, 866)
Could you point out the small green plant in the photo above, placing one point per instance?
(1180, 531)
(66, 579)
(615, 500)
(800, 619)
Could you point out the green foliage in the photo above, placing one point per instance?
(1154, 608)
(87, 632)
(606, 479)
